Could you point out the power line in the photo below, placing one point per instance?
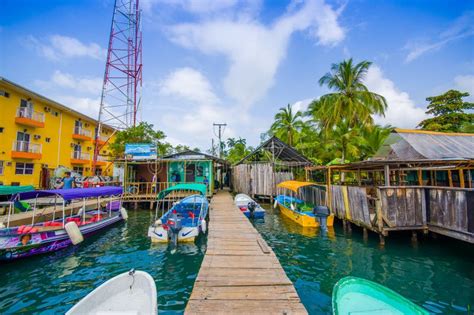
(221, 127)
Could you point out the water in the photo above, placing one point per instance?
(53, 283)
(437, 274)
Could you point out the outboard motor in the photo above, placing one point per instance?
(322, 214)
(175, 225)
(252, 206)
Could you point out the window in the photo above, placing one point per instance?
(24, 168)
(98, 171)
(79, 170)
(1, 167)
(4, 93)
(199, 170)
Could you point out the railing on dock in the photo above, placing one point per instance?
(444, 210)
(147, 191)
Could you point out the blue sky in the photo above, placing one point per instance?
(239, 61)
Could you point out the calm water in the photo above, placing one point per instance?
(437, 274)
(53, 283)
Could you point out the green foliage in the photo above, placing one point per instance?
(351, 103)
(450, 113)
(142, 133)
(287, 124)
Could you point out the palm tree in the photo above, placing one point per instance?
(374, 137)
(287, 124)
(351, 100)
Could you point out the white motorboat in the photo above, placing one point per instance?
(249, 207)
(132, 292)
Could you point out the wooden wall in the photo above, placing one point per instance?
(351, 203)
(403, 206)
(257, 179)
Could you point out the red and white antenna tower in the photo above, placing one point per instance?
(121, 90)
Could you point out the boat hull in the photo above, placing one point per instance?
(353, 295)
(159, 235)
(300, 218)
(47, 242)
(256, 214)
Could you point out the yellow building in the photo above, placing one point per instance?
(37, 135)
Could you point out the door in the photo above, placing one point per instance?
(77, 151)
(22, 141)
(77, 127)
(26, 109)
(190, 173)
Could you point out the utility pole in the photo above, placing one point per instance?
(221, 132)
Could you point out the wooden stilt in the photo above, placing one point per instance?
(382, 240)
(366, 234)
(414, 237)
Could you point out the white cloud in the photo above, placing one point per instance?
(57, 47)
(85, 105)
(401, 111)
(86, 85)
(465, 83)
(189, 84)
(254, 50)
(463, 27)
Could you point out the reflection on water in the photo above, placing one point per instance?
(53, 283)
(437, 274)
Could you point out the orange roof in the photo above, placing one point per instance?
(294, 185)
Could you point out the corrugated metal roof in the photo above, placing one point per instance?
(405, 144)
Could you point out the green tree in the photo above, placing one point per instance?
(287, 124)
(351, 102)
(142, 133)
(450, 113)
(373, 138)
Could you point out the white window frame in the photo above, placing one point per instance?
(24, 168)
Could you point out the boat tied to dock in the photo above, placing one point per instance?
(50, 232)
(185, 220)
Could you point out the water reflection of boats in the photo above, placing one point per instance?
(292, 227)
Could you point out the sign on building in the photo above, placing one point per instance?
(140, 151)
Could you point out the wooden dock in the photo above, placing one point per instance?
(240, 274)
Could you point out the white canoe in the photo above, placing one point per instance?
(132, 292)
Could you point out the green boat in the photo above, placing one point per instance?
(352, 295)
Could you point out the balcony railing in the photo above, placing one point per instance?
(101, 158)
(80, 155)
(82, 132)
(26, 146)
(24, 112)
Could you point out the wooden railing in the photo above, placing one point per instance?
(146, 189)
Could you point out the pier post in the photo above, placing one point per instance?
(349, 227)
(382, 240)
(414, 237)
(366, 234)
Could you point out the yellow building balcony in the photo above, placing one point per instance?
(101, 161)
(102, 140)
(26, 150)
(80, 133)
(28, 117)
(80, 158)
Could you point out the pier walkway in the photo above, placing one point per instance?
(240, 274)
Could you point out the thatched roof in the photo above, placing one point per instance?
(406, 144)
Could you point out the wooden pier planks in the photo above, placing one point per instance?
(240, 274)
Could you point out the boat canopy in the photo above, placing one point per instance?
(200, 188)
(73, 193)
(10, 190)
(294, 185)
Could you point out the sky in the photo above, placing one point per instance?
(238, 62)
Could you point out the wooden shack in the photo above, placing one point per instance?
(272, 162)
(144, 179)
(418, 180)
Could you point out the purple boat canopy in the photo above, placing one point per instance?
(70, 194)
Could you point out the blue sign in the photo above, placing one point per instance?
(140, 151)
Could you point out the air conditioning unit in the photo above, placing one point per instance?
(72, 145)
(36, 137)
(86, 124)
(89, 148)
(47, 109)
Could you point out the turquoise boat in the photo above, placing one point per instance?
(352, 295)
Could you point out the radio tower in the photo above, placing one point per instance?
(120, 99)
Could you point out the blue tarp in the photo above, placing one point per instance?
(70, 194)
